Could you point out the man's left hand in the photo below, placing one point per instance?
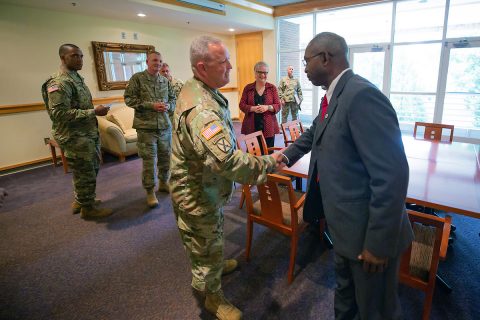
(371, 263)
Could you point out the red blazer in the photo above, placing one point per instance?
(270, 124)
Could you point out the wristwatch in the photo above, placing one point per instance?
(270, 108)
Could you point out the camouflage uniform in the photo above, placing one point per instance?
(204, 163)
(177, 85)
(74, 127)
(154, 129)
(286, 91)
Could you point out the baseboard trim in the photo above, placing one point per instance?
(24, 164)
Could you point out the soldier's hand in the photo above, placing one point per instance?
(282, 102)
(101, 110)
(160, 106)
(279, 160)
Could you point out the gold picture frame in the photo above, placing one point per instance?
(101, 50)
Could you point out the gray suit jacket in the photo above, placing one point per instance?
(358, 154)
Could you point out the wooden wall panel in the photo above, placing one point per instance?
(249, 48)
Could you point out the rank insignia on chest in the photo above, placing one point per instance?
(209, 132)
(224, 145)
(52, 89)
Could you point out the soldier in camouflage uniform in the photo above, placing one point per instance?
(153, 99)
(74, 127)
(176, 84)
(204, 165)
(288, 88)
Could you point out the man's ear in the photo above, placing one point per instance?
(201, 67)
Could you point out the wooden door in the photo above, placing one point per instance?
(249, 48)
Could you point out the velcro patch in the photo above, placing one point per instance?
(52, 89)
(209, 132)
(224, 145)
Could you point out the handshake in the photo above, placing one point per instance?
(280, 159)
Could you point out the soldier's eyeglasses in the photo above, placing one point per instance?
(262, 72)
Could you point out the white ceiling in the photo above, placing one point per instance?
(157, 13)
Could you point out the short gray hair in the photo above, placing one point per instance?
(199, 48)
(260, 64)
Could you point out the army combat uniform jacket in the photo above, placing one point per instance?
(142, 92)
(205, 161)
(288, 87)
(69, 105)
(177, 86)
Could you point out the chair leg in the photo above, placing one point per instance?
(54, 155)
(121, 158)
(427, 305)
(242, 200)
(64, 161)
(249, 239)
(293, 253)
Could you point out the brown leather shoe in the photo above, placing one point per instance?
(221, 307)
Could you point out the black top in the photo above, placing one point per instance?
(258, 117)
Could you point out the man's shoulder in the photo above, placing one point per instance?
(139, 74)
(57, 81)
(193, 93)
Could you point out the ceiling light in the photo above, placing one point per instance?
(231, 29)
(141, 15)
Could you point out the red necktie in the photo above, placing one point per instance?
(324, 106)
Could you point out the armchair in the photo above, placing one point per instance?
(116, 133)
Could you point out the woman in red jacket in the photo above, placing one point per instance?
(260, 103)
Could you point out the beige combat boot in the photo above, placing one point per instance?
(152, 201)
(94, 213)
(76, 207)
(221, 307)
(229, 266)
(163, 187)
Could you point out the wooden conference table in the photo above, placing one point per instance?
(443, 176)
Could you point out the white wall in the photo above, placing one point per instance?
(30, 39)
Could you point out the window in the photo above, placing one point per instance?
(462, 94)
(423, 55)
(294, 35)
(364, 24)
(122, 65)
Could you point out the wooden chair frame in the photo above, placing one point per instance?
(433, 131)
(271, 214)
(250, 144)
(295, 130)
(440, 247)
(53, 144)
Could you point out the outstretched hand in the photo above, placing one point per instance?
(371, 263)
(279, 160)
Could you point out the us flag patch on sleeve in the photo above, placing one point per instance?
(209, 132)
(52, 89)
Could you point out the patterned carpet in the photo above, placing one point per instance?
(54, 265)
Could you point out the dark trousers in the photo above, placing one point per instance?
(362, 295)
(270, 143)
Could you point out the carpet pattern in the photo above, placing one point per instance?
(132, 265)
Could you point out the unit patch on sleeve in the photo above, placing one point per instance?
(224, 145)
(209, 132)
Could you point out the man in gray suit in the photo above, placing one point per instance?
(358, 179)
